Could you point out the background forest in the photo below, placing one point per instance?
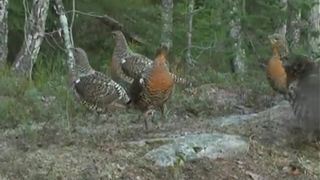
(225, 44)
(214, 50)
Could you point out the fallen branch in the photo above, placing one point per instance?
(113, 24)
(116, 25)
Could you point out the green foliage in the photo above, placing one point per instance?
(25, 102)
(211, 39)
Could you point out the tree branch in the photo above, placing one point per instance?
(113, 24)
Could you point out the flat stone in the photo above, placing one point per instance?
(194, 146)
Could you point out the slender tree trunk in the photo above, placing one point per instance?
(295, 26)
(59, 8)
(34, 33)
(283, 28)
(238, 62)
(3, 31)
(314, 38)
(166, 15)
(189, 33)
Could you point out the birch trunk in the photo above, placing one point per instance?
(314, 38)
(3, 32)
(189, 33)
(34, 33)
(166, 15)
(295, 29)
(238, 61)
(283, 28)
(59, 8)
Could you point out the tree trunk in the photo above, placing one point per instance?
(189, 32)
(238, 62)
(314, 38)
(34, 33)
(283, 28)
(3, 32)
(166, 15)
(295, 31)
(59, 8)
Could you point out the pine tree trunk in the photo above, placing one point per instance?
(59, 8)
(314, 38)
(34, 33)
(189, 32)
(238, 62)
(3, 32)
(166, 15)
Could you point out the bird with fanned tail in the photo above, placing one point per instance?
(152, 89)
(128, 65)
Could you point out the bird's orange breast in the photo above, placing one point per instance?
(277, 74)
(160, 80)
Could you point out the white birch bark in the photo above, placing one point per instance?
(296, 28)
(238, 61)
(189, 32)
(34, 33)
(59, 8)
(314, 38)
(166, 15)
(3, 31)
(283, 28)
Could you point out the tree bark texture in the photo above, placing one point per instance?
(3, 31)
(314, 38)
(189, 32)
(59, 8)
(295, 28)
(166, 15)
(238, 61)
(34, 33)
(283, 27)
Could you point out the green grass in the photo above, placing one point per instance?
(45, 98)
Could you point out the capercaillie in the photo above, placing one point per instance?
(153, 88)
(94, 89)
(128, 65)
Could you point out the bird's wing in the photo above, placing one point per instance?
(117, 72)
(98, 91)
(135, 64)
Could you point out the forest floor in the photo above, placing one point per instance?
(113, 146)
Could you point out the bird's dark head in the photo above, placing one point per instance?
(120, 39)
(81, 60)
(117, 34)
(279, 41)
(276, 39)
(161, 54)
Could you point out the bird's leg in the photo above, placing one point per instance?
(146, 116)
(97, 116)
(163, 116)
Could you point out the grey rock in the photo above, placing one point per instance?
(189, 147)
